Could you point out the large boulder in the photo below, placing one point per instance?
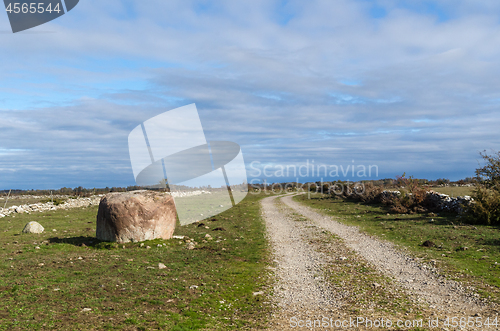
(136, 216)
(33, 227)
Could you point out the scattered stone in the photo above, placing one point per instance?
(148, 247)
(178, 237)
(258, 293)
(33, 227)
(190, 246)
(342, 258)
(136, 216)
(86, 310)
(161, 266)
(376, 285)
(209, 237)
(193, 287)
(37, 247)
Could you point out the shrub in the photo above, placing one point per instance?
(413, 200)
(486, 206)
(57, 201)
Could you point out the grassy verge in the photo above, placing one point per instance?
(67, 280)
(454, 191)
(467, 253)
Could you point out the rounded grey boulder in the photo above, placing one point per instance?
(33, 227)
(136, 216)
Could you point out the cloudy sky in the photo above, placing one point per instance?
(408, 86)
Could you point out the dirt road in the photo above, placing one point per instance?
(325, 269)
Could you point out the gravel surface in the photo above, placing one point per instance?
(300, 288)
(418, 279)
(306, 255)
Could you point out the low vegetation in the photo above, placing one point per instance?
(469, 253)
(65, 279)
(486, 209)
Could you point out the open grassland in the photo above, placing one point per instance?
(467, 253)
(453, 191)
(48, 280)
(15, 201)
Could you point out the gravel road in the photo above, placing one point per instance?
(300, 289)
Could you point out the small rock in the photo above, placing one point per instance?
(161, 266)
(376, 285)
(159, 245)
(190, 246)
(41, 264)
(193, 287)
(178, 237)
(37, 247)
(148, 247)
(54, 230)
(33, 227)
(86, 310)
(342, 258)
(258, 293)
(142, 244)
(208, 236)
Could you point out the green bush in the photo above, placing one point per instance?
(486, 206)
(57, 201)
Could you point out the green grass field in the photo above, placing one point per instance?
(467, 253)
(49, 280)
(15, 201)
(454, 191)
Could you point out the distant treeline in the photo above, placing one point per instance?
(77, 191)
(81, 191)
(386, 183)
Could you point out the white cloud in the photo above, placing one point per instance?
(319, 79)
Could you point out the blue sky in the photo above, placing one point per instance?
(404, 85)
